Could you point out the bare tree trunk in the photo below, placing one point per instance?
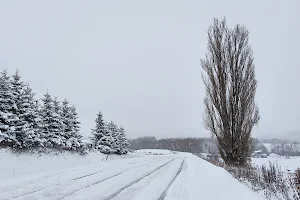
(229, 78)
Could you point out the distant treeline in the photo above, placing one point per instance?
(192, 145)
(209, 145)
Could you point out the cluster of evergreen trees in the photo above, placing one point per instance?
(108, 137)
(25, 123)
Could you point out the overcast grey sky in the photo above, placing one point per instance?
(138, 61)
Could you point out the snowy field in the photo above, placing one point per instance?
(286, 164)
(24, 164)
(164, 175)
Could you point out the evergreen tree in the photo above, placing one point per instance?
(21, 125)
(66, 116)
(31, 116)
(99, 131)
(123, 141)
(71, 126)
(113, 129)
(75, 138)
(101, 138)
(75, 122)
(59, 120)
(7, 110)
(50, 124)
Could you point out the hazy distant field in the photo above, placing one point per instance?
(292, 164)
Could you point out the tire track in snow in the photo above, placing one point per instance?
(51, 185)
(103, 170)
(74, 179)
(89, 185)
(136, 181)
(100, 181)
(163, 195)
(52, 175)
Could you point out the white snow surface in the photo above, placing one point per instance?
(179, 176)
(24, 164)
(155, 152)
(292, 163)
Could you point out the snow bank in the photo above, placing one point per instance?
(200, 179)
(13, 165)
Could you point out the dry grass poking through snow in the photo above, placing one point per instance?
(269, 179)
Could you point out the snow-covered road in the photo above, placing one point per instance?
(160, 177)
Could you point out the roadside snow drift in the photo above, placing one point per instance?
(179, 176)
(24, 164)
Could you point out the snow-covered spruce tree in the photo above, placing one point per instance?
(50, 124)
(101, 137)
(113, 129)
(124, 145)
(109, 138)
(76, 137)
(66, 116)
(31, 116)
(59, 121)
(75, 122)
(71, 126)
(7, 110)
(22, 129)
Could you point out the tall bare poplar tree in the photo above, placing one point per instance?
(229, 78)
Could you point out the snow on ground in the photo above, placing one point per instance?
(179, 176)
(154, 152)
(17, 165)
(292, 163)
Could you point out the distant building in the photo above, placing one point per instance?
(259, 154)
